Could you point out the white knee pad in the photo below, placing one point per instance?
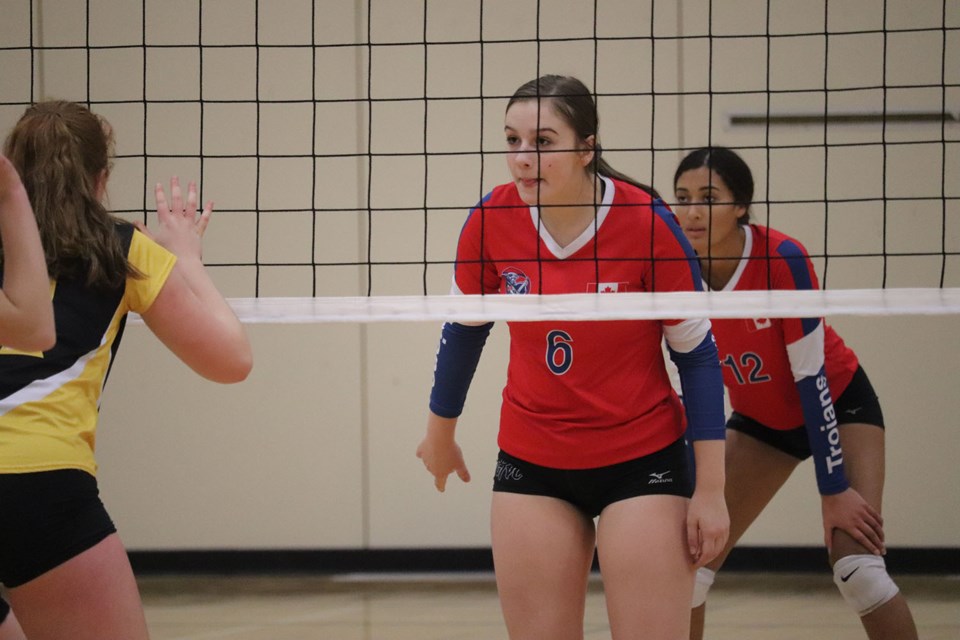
(864, 582)
(702, 584)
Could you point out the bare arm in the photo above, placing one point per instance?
(26, 310)
(189, 315)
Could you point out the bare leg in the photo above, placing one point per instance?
(646, 567)
(92, 596)
(755, 473)
(10, 628)
(542, 551)
(863, 461)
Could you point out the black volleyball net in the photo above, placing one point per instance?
(344, 141)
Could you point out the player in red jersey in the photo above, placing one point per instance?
(590, 425)
(796, 390)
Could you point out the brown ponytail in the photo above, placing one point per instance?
(63, 153)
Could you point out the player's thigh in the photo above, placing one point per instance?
(92, 596)
(646, 567)
(542, 552)
(10, 628)
(863, 460)
(863, 463)
(755, 472)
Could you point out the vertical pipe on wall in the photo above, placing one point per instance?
(364, 282)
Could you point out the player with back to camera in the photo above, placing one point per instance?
(796, 391)
(66, 572)
(590, 425)
(26, 313)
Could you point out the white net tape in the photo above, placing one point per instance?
(589, 306)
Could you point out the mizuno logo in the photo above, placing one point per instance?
(849, 575)
(853, 412)
(659, 478)
(506, 471)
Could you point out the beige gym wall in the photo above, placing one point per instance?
(316, 449)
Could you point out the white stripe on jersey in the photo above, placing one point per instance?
(806, 354)
(40, 389)
(686, 336)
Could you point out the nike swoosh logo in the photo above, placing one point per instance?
(847, 577)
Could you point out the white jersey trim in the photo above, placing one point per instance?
(744, 260)
(806, 354)
(40, 389)
(588, 233)
(686, 336)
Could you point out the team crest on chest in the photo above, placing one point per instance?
(515, 281)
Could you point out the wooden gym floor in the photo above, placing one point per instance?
(743, 606)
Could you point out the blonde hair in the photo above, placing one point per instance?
(64, 154)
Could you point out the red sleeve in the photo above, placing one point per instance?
(475, 272)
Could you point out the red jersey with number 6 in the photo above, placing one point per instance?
(582, 394)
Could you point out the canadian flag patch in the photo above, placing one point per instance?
(607, 287)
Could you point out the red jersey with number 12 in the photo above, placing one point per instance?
(763, 357)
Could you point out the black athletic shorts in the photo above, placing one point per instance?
(592, 490)
(857, 404)
(47, 518)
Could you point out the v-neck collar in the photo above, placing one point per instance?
(744, 259)
(588, 233)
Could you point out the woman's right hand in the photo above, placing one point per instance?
(849, 512)
(189, 315)
(440, 452)
(180, 226)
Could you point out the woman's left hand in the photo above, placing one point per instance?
(708, 525)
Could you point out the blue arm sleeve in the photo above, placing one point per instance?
(457, 358)
(823, 434)
(701, 383)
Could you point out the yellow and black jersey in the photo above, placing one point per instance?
(49, 402)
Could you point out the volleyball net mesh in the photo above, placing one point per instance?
(344, 141)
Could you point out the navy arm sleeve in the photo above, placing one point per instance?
(457, 359)
(822, 432)
(701, 383)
